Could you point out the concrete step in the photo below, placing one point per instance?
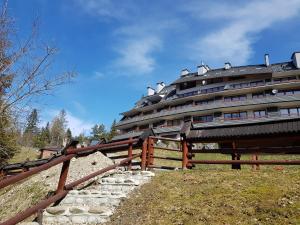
(95, 204)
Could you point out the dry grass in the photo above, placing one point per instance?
(24, 154)
(215, 197)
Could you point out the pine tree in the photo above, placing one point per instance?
(113, 130)
(31, 130)
(99, 132)
(68, 135)
(32, 123)
(58, 129)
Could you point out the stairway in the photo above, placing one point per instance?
(95, 204)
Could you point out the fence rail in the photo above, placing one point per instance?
(149, 153)
(65, 158)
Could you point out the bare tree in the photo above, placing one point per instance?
(24, 66)
(24, 75)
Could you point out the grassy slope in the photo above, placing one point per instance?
(215, 196)
(24, 154)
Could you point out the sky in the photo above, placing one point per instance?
(118, 48)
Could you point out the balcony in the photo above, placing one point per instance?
(236, 86)
(214, 105)
(220, 121)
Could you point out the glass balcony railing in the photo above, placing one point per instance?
(214, 105)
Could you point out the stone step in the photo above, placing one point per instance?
(109, 200)
(76, 214)
(96, 203)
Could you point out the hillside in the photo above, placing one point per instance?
(215, 197)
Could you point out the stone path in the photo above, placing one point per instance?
(95, 204)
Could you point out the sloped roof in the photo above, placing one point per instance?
(268, 128)
(239, 71)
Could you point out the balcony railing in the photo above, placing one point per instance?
(214, 105)
(233, 87)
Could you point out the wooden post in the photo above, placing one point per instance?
(235, 156)
(184, 147)
(255, 166)
(150, 152)
(130, 154)
(64, 173)
(63, 176)
(144, 154)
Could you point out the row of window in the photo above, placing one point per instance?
(244, 115)
(279, 93)
(192, 84)
(235, 86)
(226, 116)
(290, 112)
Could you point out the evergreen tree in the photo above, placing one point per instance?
(31, 132)
(32, 123)
(99, 132)
(58, 129)
(43, 139)
(113, 130)
(68, 135)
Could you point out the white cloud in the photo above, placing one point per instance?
(136, 55)
(138, 36)
(98, 75)
(76, 124)
(79, 107)
(106, 9)
(241, 27)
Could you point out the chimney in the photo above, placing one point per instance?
(296, 59)
(159, 86)
(184, 72)
(202, 69)
(267, 60)
(227, 66)
(151, 91)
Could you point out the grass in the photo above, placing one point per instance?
(213, 156)
(16, 198)
(25, 153)
(215, 197)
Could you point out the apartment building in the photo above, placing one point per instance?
(218, 97)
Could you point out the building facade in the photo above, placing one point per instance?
(218, 97)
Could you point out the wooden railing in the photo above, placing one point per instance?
(65, 159)
(147, 147)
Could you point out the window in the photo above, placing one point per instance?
(144, 127)
(204, 102)
(260, 113)
(258, 95)
(187, 85)
(203, 119)
(235, 115)
(235, 98)
(159, 124)
(290, 112)
(257, 83)
(173, 122)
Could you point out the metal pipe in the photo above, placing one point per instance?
(98, 147)
(21, 176)
(86, 178)
(168, 158)
(168, 149)
(250, 162)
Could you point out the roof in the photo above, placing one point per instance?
(239, 71)
(268, 128)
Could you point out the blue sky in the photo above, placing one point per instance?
(118, 48)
